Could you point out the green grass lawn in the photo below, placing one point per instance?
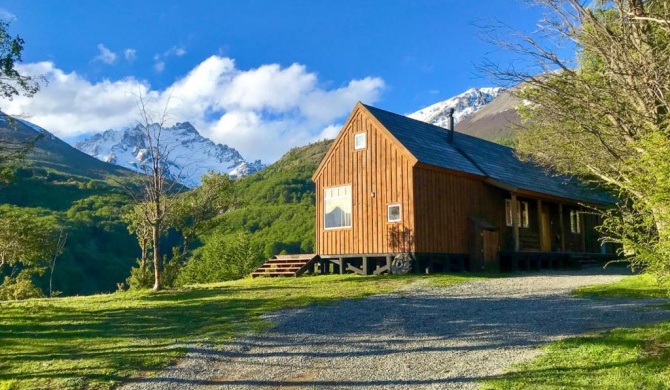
(95, 342)
(638, 286)
(630, 358)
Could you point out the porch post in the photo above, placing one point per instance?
(582, 227)
(560, 218)
(540, 226)
(515, 223)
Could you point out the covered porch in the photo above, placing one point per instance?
(542, 232)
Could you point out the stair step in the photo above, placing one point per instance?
(284, 265)
(271, 274)
(287, 261)
(275, 266)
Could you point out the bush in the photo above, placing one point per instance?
(141, 276)
(221, 260)
(14, 289)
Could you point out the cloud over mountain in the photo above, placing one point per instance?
(262, 112)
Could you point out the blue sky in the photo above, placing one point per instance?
(261, 76)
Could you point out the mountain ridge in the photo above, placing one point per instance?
(53, 153)
(464, 104)
(191, 154)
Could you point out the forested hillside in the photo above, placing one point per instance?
(99, 251)
(274, 213)
(276, 205)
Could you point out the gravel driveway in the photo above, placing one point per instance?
(421, 337)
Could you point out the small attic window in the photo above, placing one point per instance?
(359, 141)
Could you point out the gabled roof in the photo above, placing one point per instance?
(428, 143)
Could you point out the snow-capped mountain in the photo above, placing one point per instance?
(190, 154)
(465, 105)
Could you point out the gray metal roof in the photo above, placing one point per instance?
(428, 143)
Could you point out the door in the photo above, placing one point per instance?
(490, 247)
(545, 229)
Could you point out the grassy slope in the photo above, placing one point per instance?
(94, 342)
(629, 358)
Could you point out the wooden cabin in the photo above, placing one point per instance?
(393, 185)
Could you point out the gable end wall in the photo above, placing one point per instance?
(384, 168)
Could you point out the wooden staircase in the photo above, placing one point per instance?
(286, 265)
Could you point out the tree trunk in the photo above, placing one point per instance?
(157, 257)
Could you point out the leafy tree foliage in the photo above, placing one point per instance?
(12, 83)
(276, 205)
(191, 214)
(195, 210)
(221, 260)
(28, 240)
(606, 117)
(99, 251)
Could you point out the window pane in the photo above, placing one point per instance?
(508, 212)
(394, 213)
(337, 208)
(359, 141)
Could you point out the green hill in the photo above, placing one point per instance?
(277, 203)
(86, 197)
(52, 153)
(276, 206)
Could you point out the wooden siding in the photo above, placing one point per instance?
(443, 203)
(384, 168)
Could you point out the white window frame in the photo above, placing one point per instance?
(348, 194)
(388, 212)
(522, 214)
(357, 137)
(575, 222)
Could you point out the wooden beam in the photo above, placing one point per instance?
(540, 225)
(366, 267)
(385, 268)
(356, 270)
(343, 265)
(582, 227)
(381, 270)
(562, 226)
(515, 223)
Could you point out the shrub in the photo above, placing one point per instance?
(13, 289)
(221, 259)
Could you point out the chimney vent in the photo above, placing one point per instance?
(450, 130)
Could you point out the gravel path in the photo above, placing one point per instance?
(421, 337)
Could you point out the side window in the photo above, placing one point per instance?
(394, 213)
(522, 218)
(575, 226)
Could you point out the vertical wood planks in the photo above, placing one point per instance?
(383, 168)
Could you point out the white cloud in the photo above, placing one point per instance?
(175, 51)
(106, 56)
(130, 54)
(262, 112)
(159, 66)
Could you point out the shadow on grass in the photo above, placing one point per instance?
(106, 338)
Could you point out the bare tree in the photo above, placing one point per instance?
(57, 251)
(154, 205)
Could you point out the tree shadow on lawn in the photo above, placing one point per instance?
(119, 338)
